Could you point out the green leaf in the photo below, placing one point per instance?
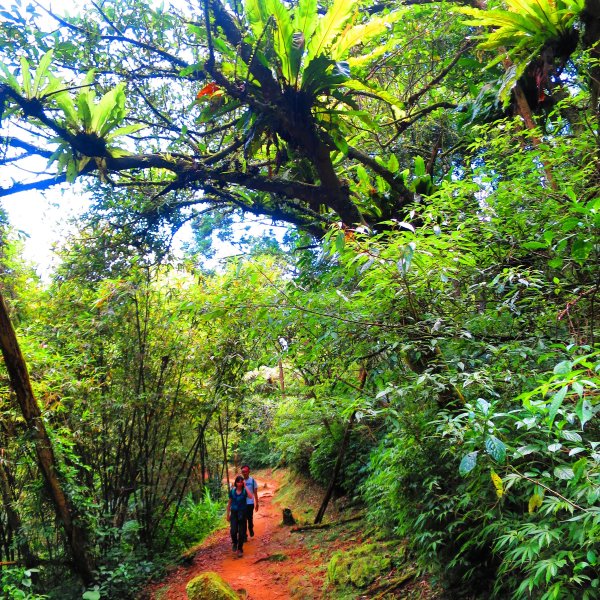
(65, 103)
(283, 36)
(584, 411)
(556, 403)
(41, 72)
(127, 129)
(564, 367)
(364, 33)
(306, 18)
(572, 436)
(563, 472)
(10, 78)
(329, 27)
(84, 104)
(109, 111)
(483, 406)
(26, 74)
(91, 595)
(495, 448)
(419, 166)
(534, 245)
(257, 15)
(467, 464)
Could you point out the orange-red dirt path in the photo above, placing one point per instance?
(256, 575)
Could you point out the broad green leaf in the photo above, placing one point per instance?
(257, 15)
(10, 78)
(584, 411)
(127, 129)
(468, 463)
(419, 166)
(483, 405)
(85, 101)
(322, 73)
(556, 403)
(41, 72)
(329, 27)
(109, 111)
(562, 368)
(283, 35)
(495, 448)
(26, 74)
(534, 245)
(364, 33)
(563, 472)
(306, 18)
(65, 103)
(572, 436)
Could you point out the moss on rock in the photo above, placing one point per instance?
(359, 567)
(210, 586)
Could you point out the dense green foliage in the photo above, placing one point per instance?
(425, 342)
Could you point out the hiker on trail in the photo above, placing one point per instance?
(252, 501)
(236, 513)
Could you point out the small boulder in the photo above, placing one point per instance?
(210, 586)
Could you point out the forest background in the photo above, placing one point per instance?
(424, 339)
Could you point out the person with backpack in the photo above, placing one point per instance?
(236, 513)
(252, 502)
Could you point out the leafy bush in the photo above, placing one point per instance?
(530, 487)
(194, 521)
(501, 492)
(16, 584)
(257, 451)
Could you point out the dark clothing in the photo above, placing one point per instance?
(237, 528)
(253, 486)
(237, 524)
(249, 520)
(238, 501)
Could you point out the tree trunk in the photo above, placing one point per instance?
(362, 376)
(336, 468)
(13, 518)
(19, 379)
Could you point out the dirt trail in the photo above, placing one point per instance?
(256, 573)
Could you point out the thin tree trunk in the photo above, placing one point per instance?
(19, 379)
(336, 468)
(13, 518)
(341, 454)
